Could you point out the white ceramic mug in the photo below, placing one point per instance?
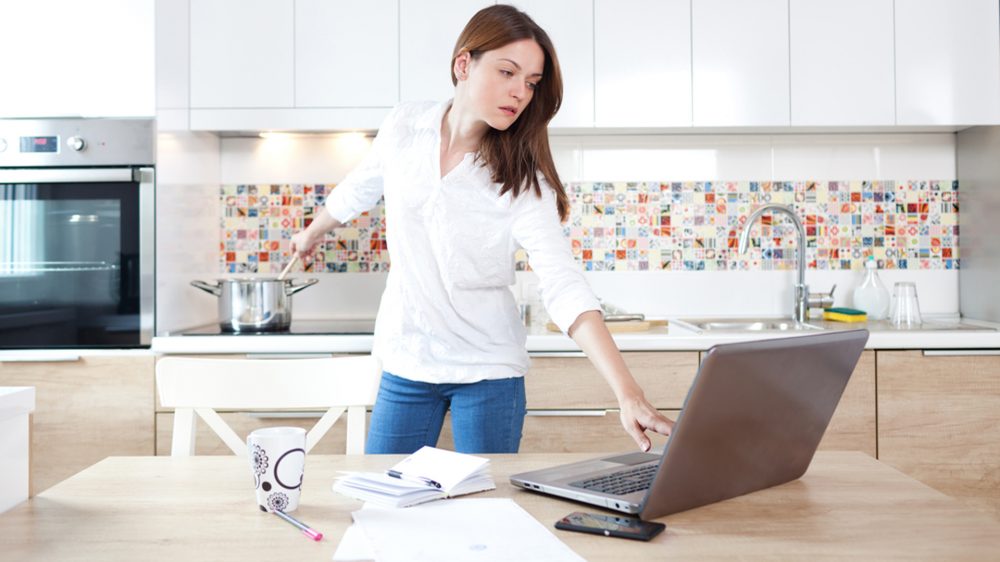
(277, 460)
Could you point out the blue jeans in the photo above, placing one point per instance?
(486, 416)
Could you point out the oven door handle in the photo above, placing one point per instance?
(66, 175)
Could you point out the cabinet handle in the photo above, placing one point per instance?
(960, 352)
(288, 355)
(566, 413)
(39, 357)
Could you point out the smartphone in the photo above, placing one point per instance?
(610, 525)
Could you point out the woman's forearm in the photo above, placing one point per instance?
(322, 223)
(303, 242)
(637, 414)
(593, 337)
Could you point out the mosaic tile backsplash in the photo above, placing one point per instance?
(641, 226)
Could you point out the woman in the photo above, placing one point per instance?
(466, 183)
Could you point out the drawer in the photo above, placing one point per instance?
(571, 382)
(581, 431)
(208, 443)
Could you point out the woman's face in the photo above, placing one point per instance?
(500, 83)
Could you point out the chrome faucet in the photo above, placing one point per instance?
(802, 299)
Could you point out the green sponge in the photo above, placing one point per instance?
(844, 315)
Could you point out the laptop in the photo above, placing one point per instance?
(752, 419)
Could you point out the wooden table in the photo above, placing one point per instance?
(848, 505)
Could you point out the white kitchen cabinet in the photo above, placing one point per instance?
(642, 66)
(172, 54)
(947, 62)
(428, 30)
(570, 26)
(841, 62)
(172, 65)
(69, 58)
(242, 54)
(740, 63)
(346, 53)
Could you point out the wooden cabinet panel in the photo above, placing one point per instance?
(208, 443)
(577, 432)
(853, 425)
(573, 383)
(939, 422)
(85, 410)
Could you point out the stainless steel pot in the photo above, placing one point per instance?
(255, 304)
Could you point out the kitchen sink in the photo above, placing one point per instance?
(701, 325)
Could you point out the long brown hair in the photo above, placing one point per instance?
(517, 155)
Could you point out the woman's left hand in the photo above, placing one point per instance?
(638, 415)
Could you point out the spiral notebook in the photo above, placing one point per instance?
(427, 475)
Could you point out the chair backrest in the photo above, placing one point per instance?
(202, 385)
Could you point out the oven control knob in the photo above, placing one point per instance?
(76, 143)
(3, 145)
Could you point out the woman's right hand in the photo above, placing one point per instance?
(303, 243)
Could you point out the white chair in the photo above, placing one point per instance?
(200, 386)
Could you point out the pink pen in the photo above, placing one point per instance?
(306, 530)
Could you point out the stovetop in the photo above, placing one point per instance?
(355, 326)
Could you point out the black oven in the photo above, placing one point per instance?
(76, 233)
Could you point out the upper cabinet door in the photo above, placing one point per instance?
(242, 53)
(740, 54)
(346, 53)
(643, 63)
(428, 30)
(71, 58)
(570, 26)
(947, 62)
(172, 59)
(842, 62)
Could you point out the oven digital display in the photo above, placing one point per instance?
(39, 144)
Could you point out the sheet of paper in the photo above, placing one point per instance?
(466, 530)
(354, 546)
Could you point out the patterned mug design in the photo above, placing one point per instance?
(276, 463)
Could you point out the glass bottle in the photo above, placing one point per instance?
(872, 296)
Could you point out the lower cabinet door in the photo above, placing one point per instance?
(86, 408)
(571, 431)
(853, 425)
(939, 421)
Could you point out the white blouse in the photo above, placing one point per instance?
(447, 314)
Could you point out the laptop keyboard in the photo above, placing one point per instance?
(621, 482)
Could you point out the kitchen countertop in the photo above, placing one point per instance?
(974, 335)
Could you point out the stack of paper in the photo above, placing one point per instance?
(426, 475)
(460, 530)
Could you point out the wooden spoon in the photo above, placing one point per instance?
(284, 272)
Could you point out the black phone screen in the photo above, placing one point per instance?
(610, 525)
